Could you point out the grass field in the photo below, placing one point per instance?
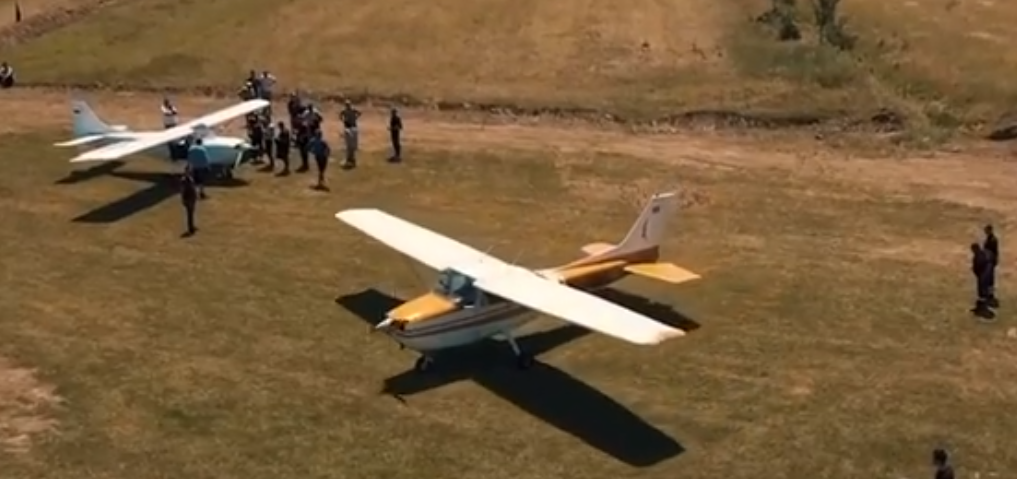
(942, 64)
(832, 340)
(829, 337)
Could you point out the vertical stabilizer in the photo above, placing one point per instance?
(646, 233)
(86, 122)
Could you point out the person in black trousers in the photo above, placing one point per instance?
(189, 197)
(991, 247)
(980, 268)
(282, 147)
(395, 129)
(303, 140)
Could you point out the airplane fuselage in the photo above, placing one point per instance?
(440, 320)
(223, 151)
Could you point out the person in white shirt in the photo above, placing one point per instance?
(169, 114)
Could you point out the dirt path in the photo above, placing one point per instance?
(983, 178)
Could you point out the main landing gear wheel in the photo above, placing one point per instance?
(423, 364)
(524, 361)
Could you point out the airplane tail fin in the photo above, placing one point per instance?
(643, 242)
(86, 122)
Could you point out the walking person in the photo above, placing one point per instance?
(395, 129)
(197, 161)
(991, 247)
(189, 198)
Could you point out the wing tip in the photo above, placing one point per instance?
(663, 335)
(348, 214)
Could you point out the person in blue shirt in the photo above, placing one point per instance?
(197, 160)
(321, 152)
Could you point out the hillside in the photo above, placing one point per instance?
(940, 64)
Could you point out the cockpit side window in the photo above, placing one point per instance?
(458, 287)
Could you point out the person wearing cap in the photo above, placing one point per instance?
(395, 129)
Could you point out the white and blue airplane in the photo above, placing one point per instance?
(116, 142)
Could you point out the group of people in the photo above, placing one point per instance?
(274, 141)
(984, 260)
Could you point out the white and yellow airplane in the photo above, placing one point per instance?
(479, 296)
(117, 142)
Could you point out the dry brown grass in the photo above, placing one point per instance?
(26, 408)
(834, 339)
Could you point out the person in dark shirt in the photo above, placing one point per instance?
(942, 462)
(282, 147)
(395, 129)
(321, 151)
(256, 136)
(980, 267)
(302, 141)
(294, 107)
(991, 247)
(349, 117)
(189, 198)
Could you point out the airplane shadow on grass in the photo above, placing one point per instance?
(161, 187)
(544, 391)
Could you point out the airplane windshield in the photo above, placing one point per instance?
(455, 285)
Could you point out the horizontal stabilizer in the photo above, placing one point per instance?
(595, 248)
(80, 141)
(667, 272)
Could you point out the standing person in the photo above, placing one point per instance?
(169, 114)
(197, 161)
(294, 106)
(980, 268)
(395, 129)
(6, 75)
(303, 140)
(268, 82)
(321, 151)
(189, 198)
(349, 117)
(268, 142)
(991, 247)
(941, 461)
(256, 136)
(282, 147)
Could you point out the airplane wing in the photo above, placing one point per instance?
(154, 139)
(535, 292)
(514, 283)
(426, 246)
(116, 136)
